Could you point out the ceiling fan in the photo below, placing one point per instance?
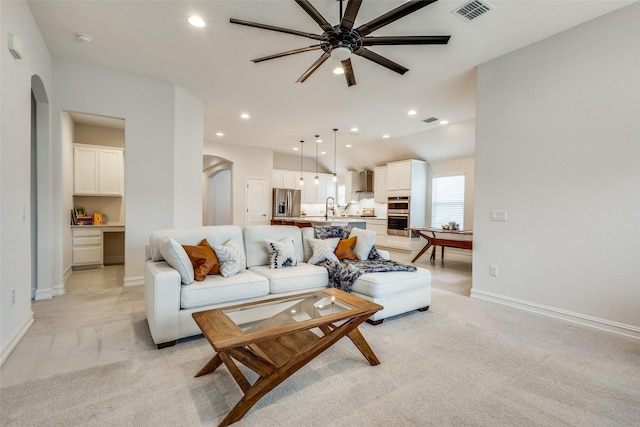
(342, 40)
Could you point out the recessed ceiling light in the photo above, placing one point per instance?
(412, 112)
(219, 134)
(323, 153)
(85, 38)
(348, 145)
(244, 116)
(295, 148)
(354, 129)
(385, 136)
(338, 70)
(444, 122)
(196, 21)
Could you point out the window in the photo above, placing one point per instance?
(447, 200)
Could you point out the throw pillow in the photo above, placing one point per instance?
(364, 244)
(281, 253)
(323, 250)
(231, 257)
(203, 259)
(344, 250)
(177, 257)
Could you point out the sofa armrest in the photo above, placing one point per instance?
(162, 301)
(384, 254)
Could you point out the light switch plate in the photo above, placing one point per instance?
(498, 215)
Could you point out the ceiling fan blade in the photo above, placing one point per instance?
(404, 40)
(394, 15)
(381, 60)
(350, 14)
(312, 12)
(272, 28)
(348, 72)
(287, 53)
(314, 67)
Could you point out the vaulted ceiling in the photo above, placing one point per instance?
(213, 63)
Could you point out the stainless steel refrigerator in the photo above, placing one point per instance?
(286, 202)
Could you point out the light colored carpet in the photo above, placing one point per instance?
(89, 361)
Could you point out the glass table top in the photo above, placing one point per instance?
(273, 314)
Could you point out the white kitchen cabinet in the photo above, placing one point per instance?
(399, 175)
(379, 226)
(98, 171)
(86, 246)
(276, 178)
(351, 184)
(380, 184)
(290, 179)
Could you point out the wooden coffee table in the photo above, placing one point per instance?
(276, 337)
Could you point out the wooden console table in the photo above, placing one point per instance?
(435, 241)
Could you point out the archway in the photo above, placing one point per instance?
(217, 195)
(41, 191)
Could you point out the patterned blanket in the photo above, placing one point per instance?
(343, 274)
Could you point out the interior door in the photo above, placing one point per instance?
(257, 201)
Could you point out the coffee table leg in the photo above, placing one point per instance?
(211, 365)
(362, 344)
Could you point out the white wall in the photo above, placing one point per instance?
(248, 162)
(15, 149)
(558, 146)
(466, 167)
(189, 138)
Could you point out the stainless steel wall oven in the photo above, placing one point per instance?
(398, 216)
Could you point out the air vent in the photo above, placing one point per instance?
(471, 10)
(430, 119)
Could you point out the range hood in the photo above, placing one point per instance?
(365, 182)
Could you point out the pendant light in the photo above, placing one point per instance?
(301, 177)
(335, 154)
(316, 180)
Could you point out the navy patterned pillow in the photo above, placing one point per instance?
(281, 253)
(331, 231)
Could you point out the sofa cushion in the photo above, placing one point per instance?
(219, 289)
(364, 244)
(203, 259)
(303, 277)
(282, 253)
(322, 249)
(256, 248)
(176, 257)
(231, 257)
(378, 285)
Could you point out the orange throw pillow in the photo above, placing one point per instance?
(203, 258)
(345, 249)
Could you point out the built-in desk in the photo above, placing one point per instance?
(93, 245)
(442, 241)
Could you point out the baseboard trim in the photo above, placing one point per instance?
(582, 319)
(11, 343)
(130, 282)
(42, 294)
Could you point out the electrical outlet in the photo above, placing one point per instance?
(493, 270)
(13, 296)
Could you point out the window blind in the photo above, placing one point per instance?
(447, 201)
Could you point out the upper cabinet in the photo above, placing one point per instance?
(97, 171)
(405, 175)
(380, 184)
(285, 179)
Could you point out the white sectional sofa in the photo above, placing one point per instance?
(170, 304)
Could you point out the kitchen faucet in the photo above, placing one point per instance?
(326, 207)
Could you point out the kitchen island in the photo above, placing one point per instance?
(319, 221)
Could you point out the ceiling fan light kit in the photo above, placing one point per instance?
(342, 41)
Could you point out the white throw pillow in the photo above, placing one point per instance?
(177, 257)
(281, 253)
(323, 250)
(364, 242)
(231, 257)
